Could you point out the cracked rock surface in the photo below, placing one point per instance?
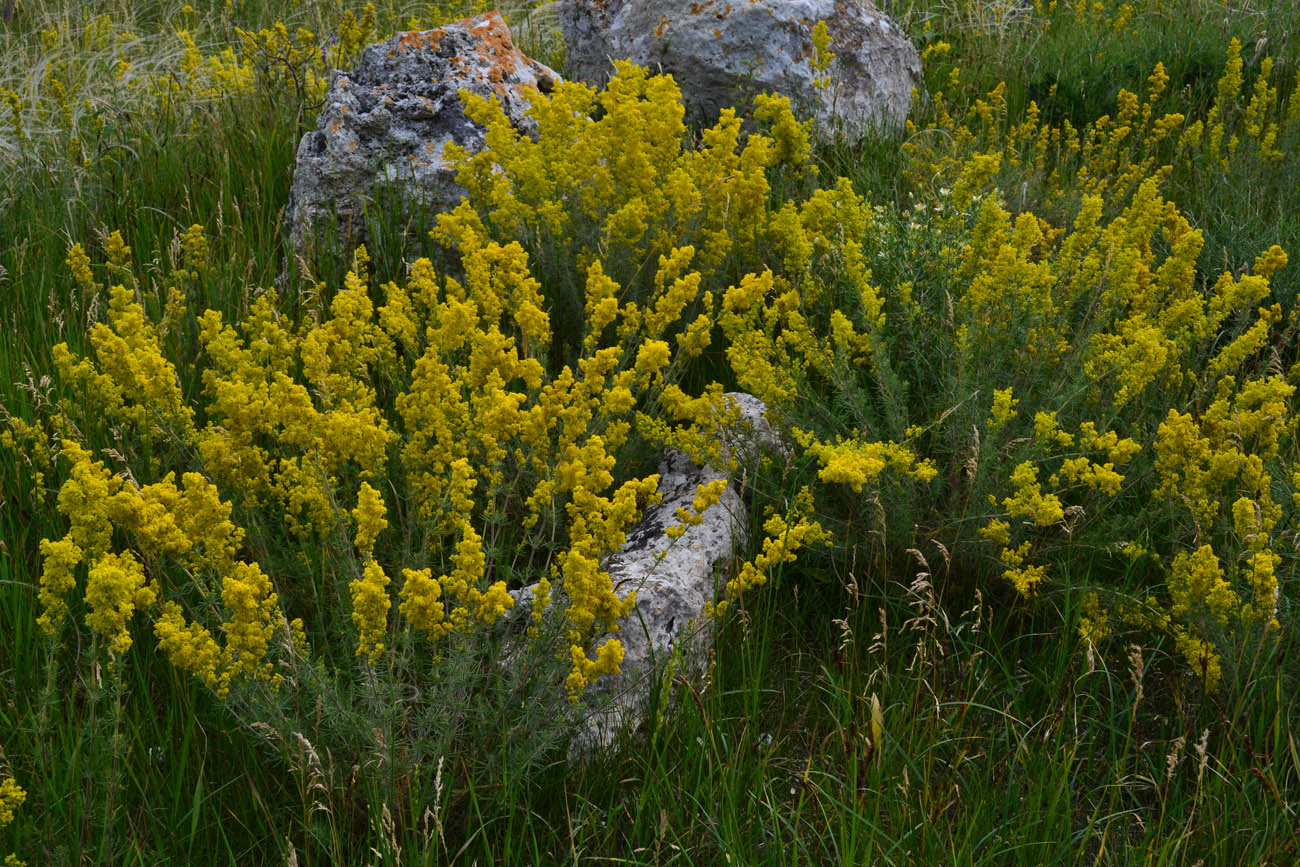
(722, 52)
(381, 132)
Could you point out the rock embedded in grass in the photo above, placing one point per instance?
(722, 52)
(674, 579)
(379, 138)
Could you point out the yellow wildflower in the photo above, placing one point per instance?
(190, 647)
(255, 614)
(11, 798)
(369, 517)
(1003, 409)
(707, 495)
(1094, 623)
(79, 264)
(1197, 582)
(609, 659)
(1029, 500)
(370, 604)
(115, 587)
(998, 531)
(421, 604)
(59, 562)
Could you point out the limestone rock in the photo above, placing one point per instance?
(721, 52)
(673, 579)
(383, 126)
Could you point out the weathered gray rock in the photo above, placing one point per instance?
(383, 127)
(673, 579)
(721, 52)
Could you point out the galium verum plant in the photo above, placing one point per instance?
(418, 444)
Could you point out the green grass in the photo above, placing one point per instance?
(1003, 739)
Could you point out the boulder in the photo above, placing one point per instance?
(721, 52)
(673, 579)
(381, 132)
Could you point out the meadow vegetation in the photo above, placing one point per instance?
(1022, 589)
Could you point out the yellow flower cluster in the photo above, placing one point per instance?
(1145, 317)
(1029, 501)
(271, 59)
(616, 185)
(369, 516)
(269, 436)
(134, 382)
(822, 54)
(82, 60)
(291, 413)
(1114, 154)
(1041, 509)
(466, 396)
(1228, 126)
(255, 617)
(1094, 622)
(1224, 457)
(1197, 580)
(421, 602)
(191, 647)
(193, 244)
(1023, 576)
(470, 564)
(857, 463)
(608, 660)
(1203, 656)
(205, 78)
(1201, 462)
(189, 526)
(486, 406)
(1048, 433)
(12, 796)
(79, 264)
(1004, 409)
(58, 576)
(115, 587)
(698, 421)
(1112, 309)
(781, 543)
(708, 494)
(370, 604)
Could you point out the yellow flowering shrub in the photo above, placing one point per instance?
(134, 382)
(369, 516)
(392, 496)
(1144, 343)
(1112, 154)
(609, 656)
(1004, 409)
(255, 617)
(1148, 397)
(402, 429)
(856, 463)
